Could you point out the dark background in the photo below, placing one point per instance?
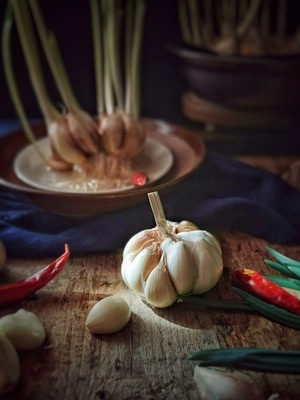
(161, 85)
(70, 20)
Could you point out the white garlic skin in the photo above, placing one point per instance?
(214, 384)
(23, 329)
(159, 268)
(9, 365)
(108, 315)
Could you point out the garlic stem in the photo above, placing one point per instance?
(98, 52)
(195, 23)
(159, 216)
(29, 47)
(108, 88)
(136, 57)
(128, 45)
(54, 58)
(11, 80)
(113, 32)
(281, 17)
(249, 18)
(158, 213)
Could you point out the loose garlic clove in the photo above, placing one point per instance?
(23, 329)
(109, 315)
(9, 365)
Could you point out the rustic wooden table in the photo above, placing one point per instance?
(148, 358)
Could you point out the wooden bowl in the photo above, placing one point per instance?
(188, 152)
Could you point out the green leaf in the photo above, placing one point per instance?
(294, 270)
(281, 268)
(270, 311)
(282, 258)
(250, 358)
(285, 282)
(221, 304)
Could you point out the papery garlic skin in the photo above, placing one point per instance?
(108, 315)
(9, 365)
(183, 261)
(214, 384)
(23, 329)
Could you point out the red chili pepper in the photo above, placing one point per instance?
(139, 179)
(257, 284)
(24, 288)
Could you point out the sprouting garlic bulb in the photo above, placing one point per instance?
(171, 259)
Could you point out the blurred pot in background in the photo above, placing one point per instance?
(240, 61)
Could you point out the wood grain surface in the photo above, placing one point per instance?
(148, 358)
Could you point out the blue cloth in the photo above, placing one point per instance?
(222, 195)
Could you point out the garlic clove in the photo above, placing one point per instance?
(63, 143)
(212, 240)
(9, 365)
(183, 226)
(137, 266)
(159, 290)
(207, 257)
(137, 242)
(111, 130)
(210, 266)
(84, 131)
(134, 138)
(214, 384)
(109, 315)
(180, 265)
(132, 271)
(23, 329)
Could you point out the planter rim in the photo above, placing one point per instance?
(196, 55)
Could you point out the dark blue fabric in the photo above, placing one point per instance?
(222, 195)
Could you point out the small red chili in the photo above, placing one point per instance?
(139, 179)
(20, 290)
(257, 284)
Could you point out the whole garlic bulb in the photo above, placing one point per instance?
(171, 259)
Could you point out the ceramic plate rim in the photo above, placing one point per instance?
(28, 150)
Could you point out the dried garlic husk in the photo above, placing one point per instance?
(23, 329)
(9, 365)
(171, 259)
(214, 384)
(109, 315)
